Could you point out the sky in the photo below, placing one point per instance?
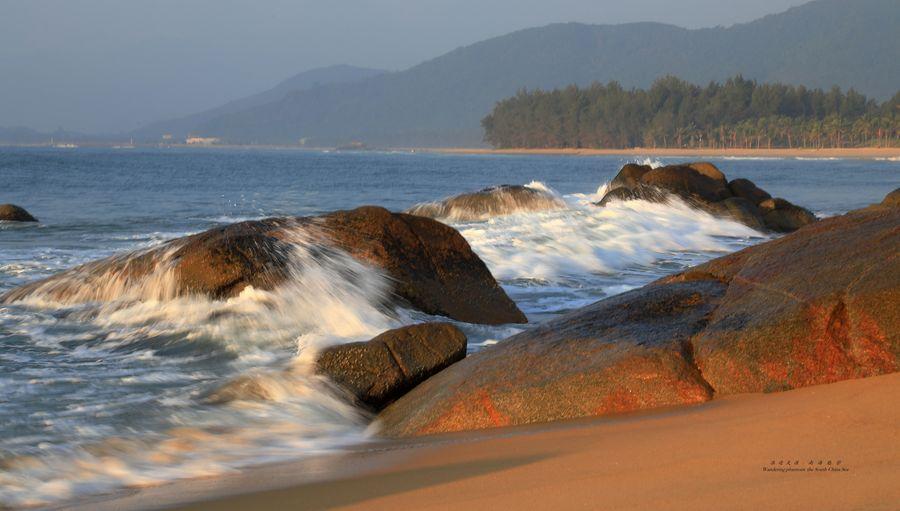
(108, 66)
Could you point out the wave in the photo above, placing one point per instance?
(126, 343)
(134, 347)
(590, 239)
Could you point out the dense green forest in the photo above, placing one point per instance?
(673, 113)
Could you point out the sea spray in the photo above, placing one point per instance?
(142, 337)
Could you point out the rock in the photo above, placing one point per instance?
(379, 371)
(687, 183)
(892, 199)
(431, 265)
(639, 192)
(709, 170)
(781, 216)
(13, 213)
(629, 177)
(746, 189)
(489, 203)
(704, 186)
(740, 210)
(624, 353)
(816, 306)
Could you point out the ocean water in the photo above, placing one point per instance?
(109, 392)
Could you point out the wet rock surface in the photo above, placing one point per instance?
(488, 203)
(624, 353)
(817, 306)
(704, 186)
(431, 266)
(13, 213)
(381, 370)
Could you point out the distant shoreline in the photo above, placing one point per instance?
(852, 153)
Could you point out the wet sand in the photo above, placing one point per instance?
(718, 455)
(856, 152)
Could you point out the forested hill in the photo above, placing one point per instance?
(739, 113)
(441, 102)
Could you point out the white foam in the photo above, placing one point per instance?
(590, 239)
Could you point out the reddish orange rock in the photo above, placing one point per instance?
(625, 353)
(817, 306)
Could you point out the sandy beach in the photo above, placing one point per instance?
(738, 452)
(855, 152)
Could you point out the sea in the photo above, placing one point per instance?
(99, 396)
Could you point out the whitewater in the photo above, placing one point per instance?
(109, 387)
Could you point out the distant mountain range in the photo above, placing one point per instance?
(441, 102)
(318, 77)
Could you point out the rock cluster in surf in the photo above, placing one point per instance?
(13, 213)
(816, 306)
(704, 186)
(488, 203)
(430, 265)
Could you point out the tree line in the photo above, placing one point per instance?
(673, 113)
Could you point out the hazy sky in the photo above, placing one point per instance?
(111, 65)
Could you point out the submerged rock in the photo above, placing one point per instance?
(816, 306)
(781, 216)
(13, 213)
(371, 374)
(488, 203)
(703, 185)
(381, 370)
(740, 210)
(430, 265)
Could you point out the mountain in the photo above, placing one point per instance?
(441, 102)
(303, 81)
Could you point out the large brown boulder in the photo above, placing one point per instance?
(746, 189)
(431, 266)
(709, 170)
(489, 203)
(639, 192)
(704, 186)
(13, 213)
(630, 176)
(816, 306)
(780, 215)
(624, 353)
(688, 183)
(740, 210)
(381, 370)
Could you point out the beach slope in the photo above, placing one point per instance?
(730, 453)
